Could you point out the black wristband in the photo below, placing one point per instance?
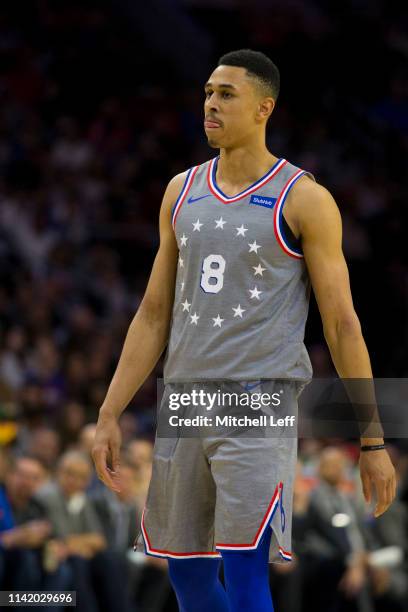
(372, 447)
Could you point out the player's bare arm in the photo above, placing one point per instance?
(313, 215)
(145, 341)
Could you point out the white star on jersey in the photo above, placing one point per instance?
(255, 293)
(183, 240)
(253, 247)
(238, 311)
(241, 230)
(197, 225)
(182, 286)
(259, 270)
(186, 305)
(194, 318)
(219, 223)
(181, 262)
(217, 321)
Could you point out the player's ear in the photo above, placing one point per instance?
(265, 108)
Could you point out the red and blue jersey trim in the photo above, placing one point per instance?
(183, 193)
(216, 191)
(277, 217)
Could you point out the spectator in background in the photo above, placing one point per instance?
(33, 412)
(120, 516)
(6, 524)
(45, 444)
(388, 560)
(24, 535)
(6, 516)
(13, 357)
(70, 423)
(388, 565)
(78, 537)
(25, 476)
(334, 547)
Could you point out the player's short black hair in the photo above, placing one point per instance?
(258, 66)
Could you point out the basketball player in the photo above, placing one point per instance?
(242, 238)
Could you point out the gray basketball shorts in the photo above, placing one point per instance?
(219, 487)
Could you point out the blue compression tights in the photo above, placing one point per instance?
(246, 576)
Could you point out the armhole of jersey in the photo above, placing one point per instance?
(289, 237)
(284, 235)
(183, 193)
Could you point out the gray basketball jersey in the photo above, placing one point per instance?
(242, 288)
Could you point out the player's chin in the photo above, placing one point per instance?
(215, 141)
(212, 142)
(215, 137)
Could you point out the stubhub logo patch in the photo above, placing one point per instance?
(263, 201)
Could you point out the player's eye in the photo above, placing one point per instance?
(226, 95)
(208, 93)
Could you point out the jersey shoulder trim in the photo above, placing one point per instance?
(278, 220)
(183, 193)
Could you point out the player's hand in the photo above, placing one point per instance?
(376, 469)
(106, 449)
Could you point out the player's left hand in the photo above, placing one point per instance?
(376, 469)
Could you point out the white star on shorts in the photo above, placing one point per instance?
(186, 305)
(217, 321)
(255, 293)
(194, 318)
(197, 225)
(253, 247)
(241, 230)
(259, 270)
(238, 311)
(219, 223)
(183, 240)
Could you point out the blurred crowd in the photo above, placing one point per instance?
(61, 529)
(96, 115)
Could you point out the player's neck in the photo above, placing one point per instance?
(244, 165)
